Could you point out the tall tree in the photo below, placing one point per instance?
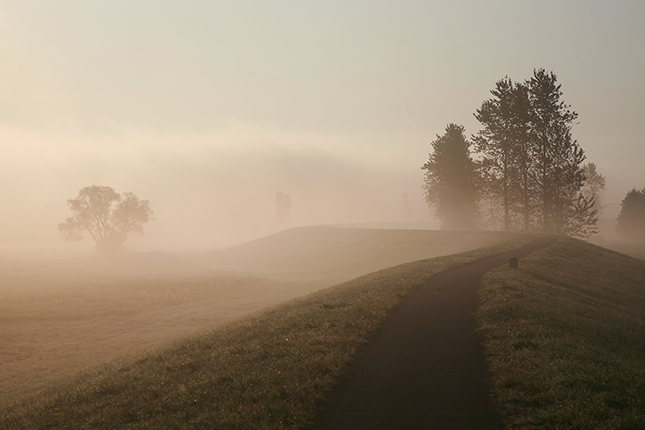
(107, 216)
(530, 165)
(631, 220)
(450, 180)
(505, 148)
(557, 157)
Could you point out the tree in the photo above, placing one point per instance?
(450, 182)
(631, 220)
(531, 167)
(282, 207)
(505, 148)
(558, 158)
(107, 216)
(594, 185)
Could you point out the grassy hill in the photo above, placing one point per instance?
(331, 255)
(564, 334)
(62, 315)
(267, 370)
(565, 337)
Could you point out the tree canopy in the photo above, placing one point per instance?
(532, 165)
(450, 180)
(107, 216)
(527, 172)
(631, 220)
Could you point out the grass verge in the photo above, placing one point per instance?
(266, 371)
(565, 338)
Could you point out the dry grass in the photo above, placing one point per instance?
(46, 336)
(565, 336)
(269, 370)
(59, 316)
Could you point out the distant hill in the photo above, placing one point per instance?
(335, 254)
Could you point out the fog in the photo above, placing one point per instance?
(216, 188)
(209, 110)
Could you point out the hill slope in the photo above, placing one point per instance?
(564, 333)
(565, 336)
(335, 254)
(59, 316)
(268, 370)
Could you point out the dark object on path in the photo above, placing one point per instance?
(512, 263)
(426, 368)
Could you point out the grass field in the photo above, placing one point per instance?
(59, 316)
(565, 337)
(268, 370)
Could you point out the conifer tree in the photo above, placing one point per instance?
(631, 220)
(450, 180)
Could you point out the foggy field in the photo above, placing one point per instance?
(59, 316)
(267, 370)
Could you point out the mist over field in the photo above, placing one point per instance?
(212, 112)
(208, 110)
(213, 189)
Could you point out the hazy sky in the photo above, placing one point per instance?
(207, 108)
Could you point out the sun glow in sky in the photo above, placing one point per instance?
(208, 108)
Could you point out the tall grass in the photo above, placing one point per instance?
(565, 338)
(267, 371)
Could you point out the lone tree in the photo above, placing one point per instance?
(631, 220)
(450, 182)
(107, 216)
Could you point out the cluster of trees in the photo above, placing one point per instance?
(527, 173)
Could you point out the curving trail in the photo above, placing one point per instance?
(426, 369)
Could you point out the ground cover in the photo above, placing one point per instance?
(268, 370)
(565, 338)
(62, 315)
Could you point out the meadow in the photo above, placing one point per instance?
(60, 316)
(563, 334)
(565, 338)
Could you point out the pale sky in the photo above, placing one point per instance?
(207, 108)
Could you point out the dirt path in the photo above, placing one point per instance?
(426, 369)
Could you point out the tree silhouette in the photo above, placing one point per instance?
(107, 216)
(450, 182)
(504, 144)
(558, 158)
(531, 167)
(631, 220)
